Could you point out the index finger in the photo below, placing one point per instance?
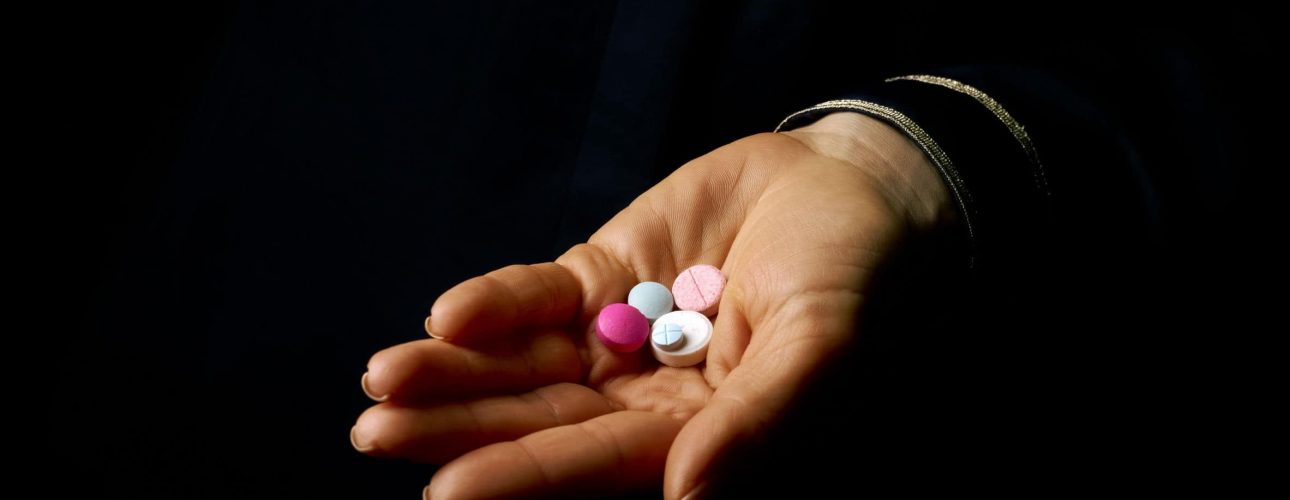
(510, 298)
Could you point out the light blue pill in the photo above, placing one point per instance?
(668, 337)
(651, 299)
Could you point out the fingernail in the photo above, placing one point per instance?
(353, 440)
(428, 332)
(368, 391)
(425, 494)
(699, 491)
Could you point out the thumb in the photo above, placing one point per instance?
(796, 341)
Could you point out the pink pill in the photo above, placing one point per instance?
(622, 328)
(699, 289)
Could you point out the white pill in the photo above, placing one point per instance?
(696, 331)
(651, 299)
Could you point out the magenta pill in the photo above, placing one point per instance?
(699, 289)
(622, 328)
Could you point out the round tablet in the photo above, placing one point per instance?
(653, 299)
(699, 289)
(696, 331)
(622, 328)
(669, 337)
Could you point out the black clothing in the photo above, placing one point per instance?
(336, 166)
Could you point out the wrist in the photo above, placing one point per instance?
(914, 185)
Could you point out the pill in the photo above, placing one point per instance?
(622, 328)
(669, 337)
(699, 289)
(696, 331)
(652, 299)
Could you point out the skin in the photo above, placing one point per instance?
(514, 379)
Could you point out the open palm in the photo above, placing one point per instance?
(516, 396)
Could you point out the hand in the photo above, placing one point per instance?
(518, 396)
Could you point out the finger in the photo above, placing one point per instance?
(433, 369)
(504, 300)
(604, 280)
(809, 331)
(443, 432)
(612, 453)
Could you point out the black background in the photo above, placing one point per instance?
(250, 198)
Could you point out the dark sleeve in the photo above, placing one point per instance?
(1110, 235)
(1029, 160)
(1105, 173)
